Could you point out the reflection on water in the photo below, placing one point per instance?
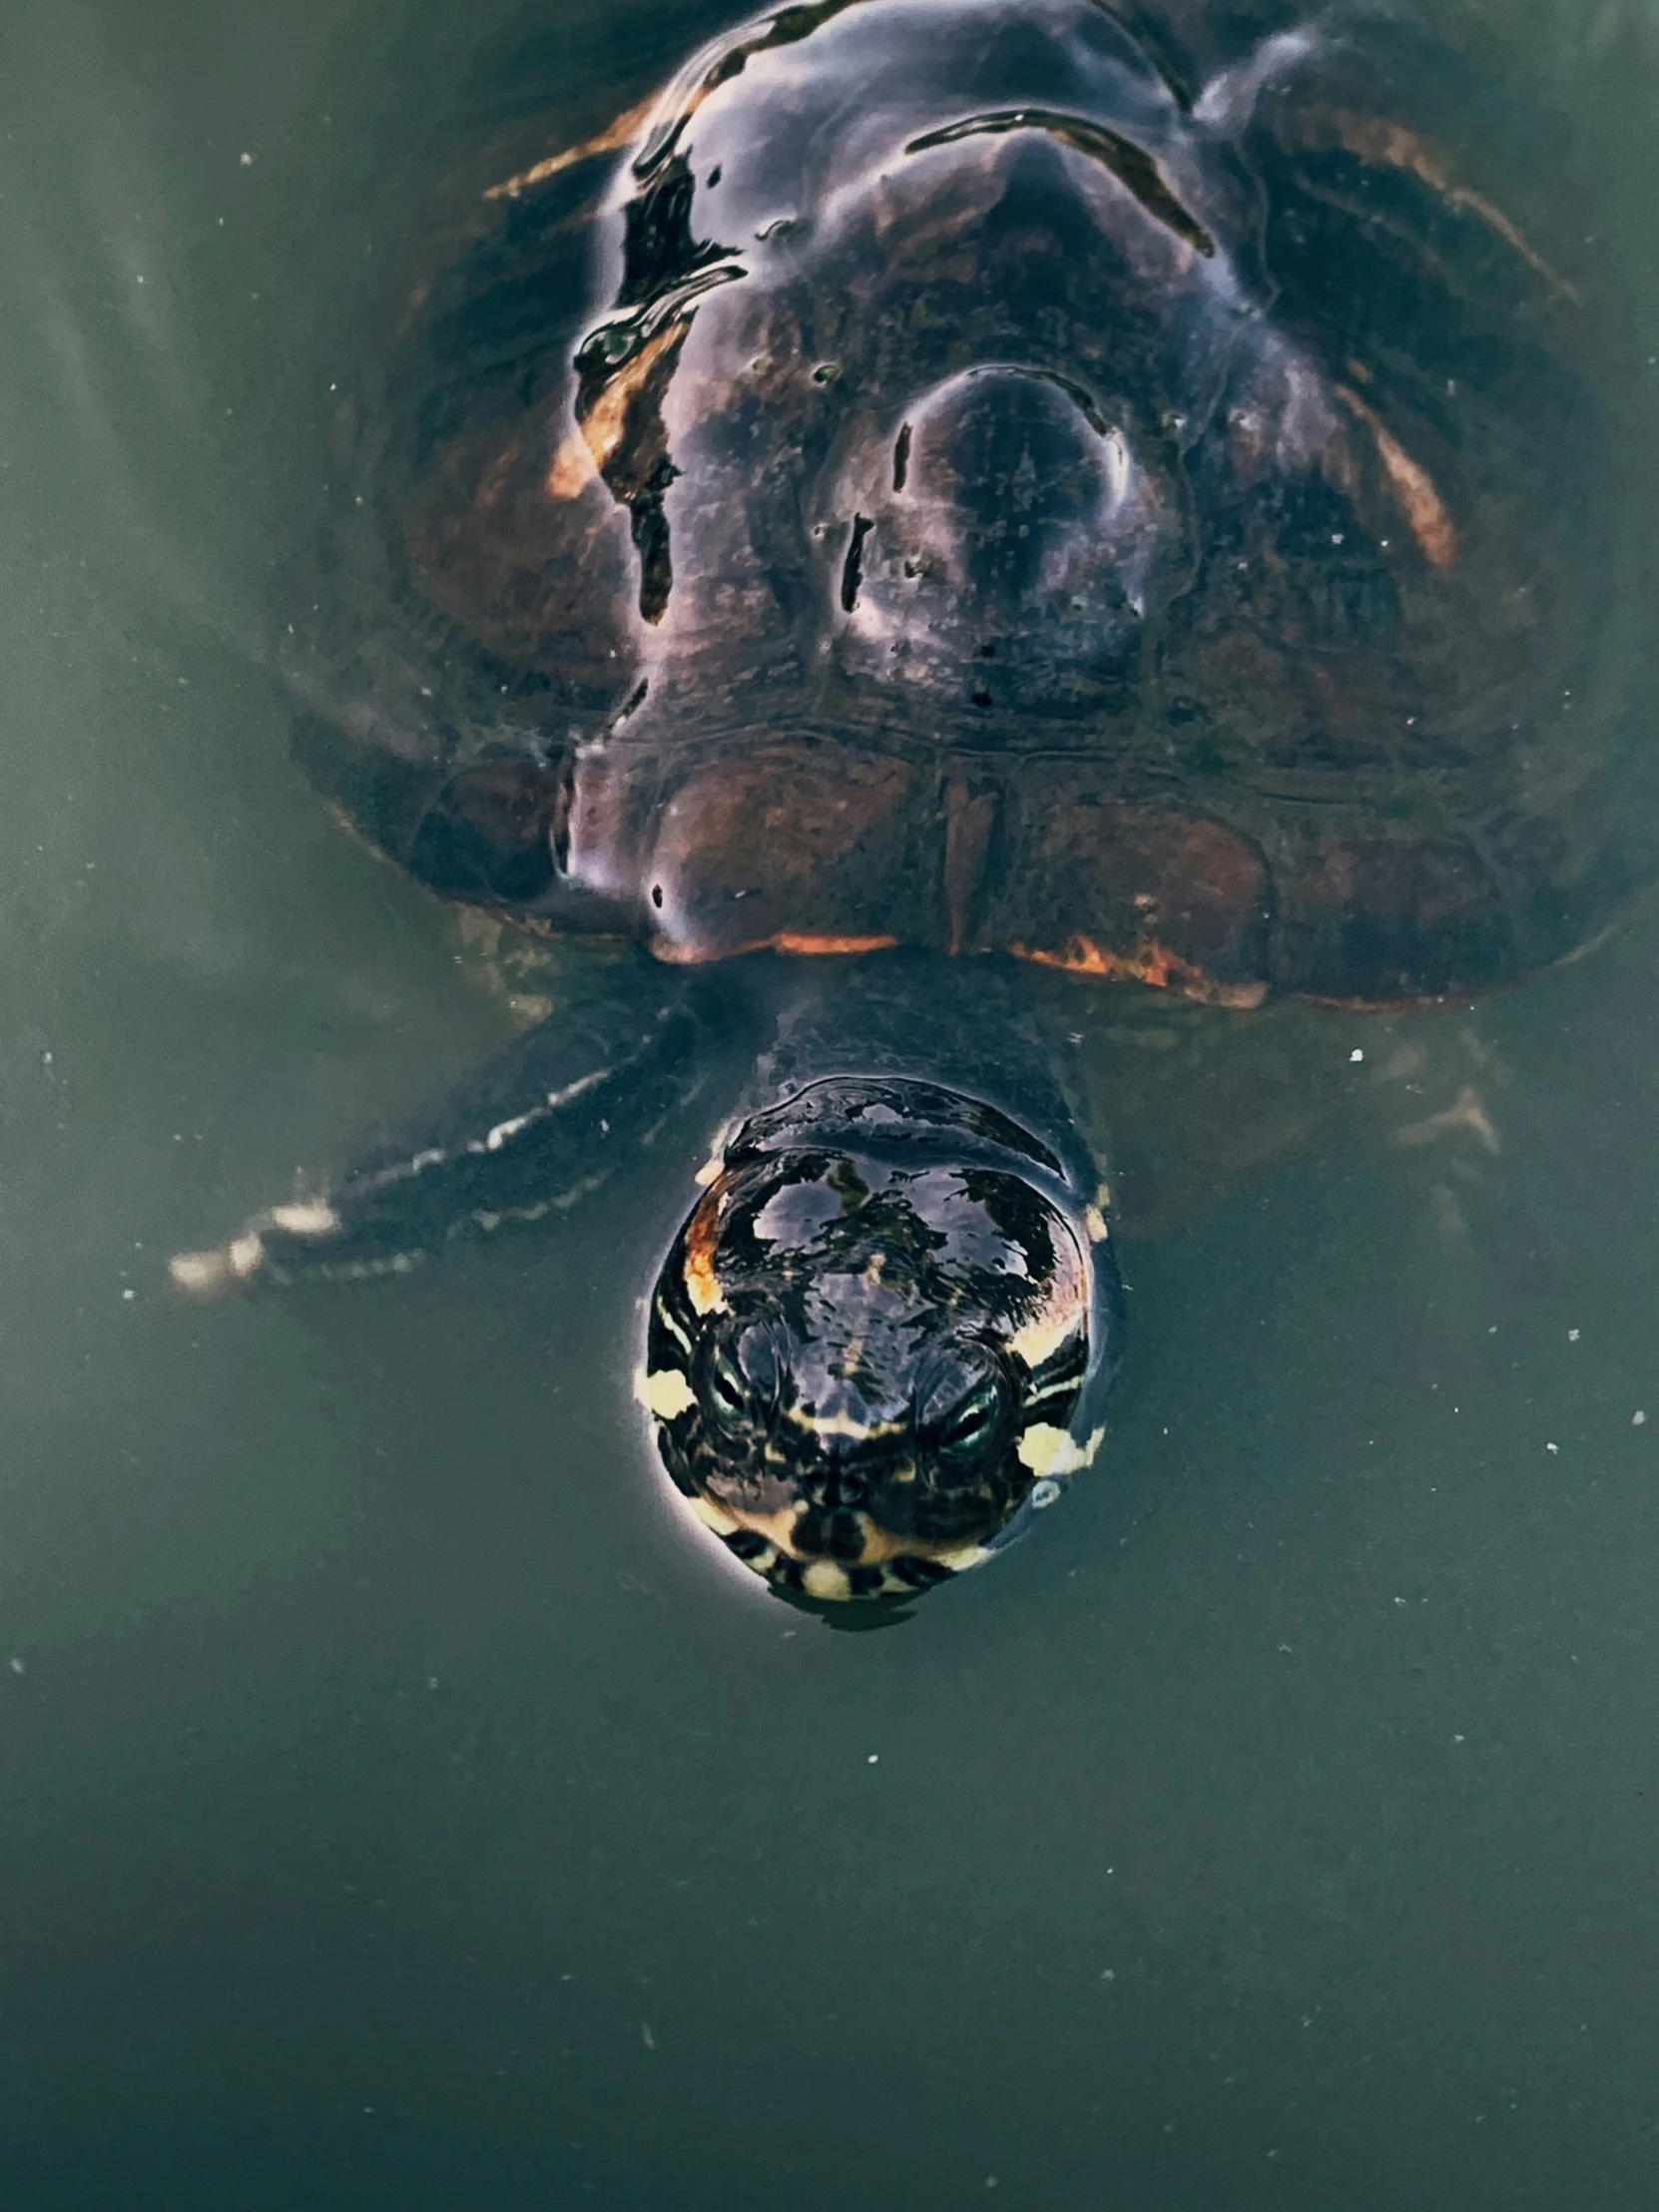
(398, 1809)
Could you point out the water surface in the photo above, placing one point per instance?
(398, 1810)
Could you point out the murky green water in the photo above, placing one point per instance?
(397, 1812)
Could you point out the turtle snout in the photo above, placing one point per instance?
(836, 1481)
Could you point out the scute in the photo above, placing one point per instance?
(1133, 487)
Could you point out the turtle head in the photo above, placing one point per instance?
(867, 1355)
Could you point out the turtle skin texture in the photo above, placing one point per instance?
(1133, 487)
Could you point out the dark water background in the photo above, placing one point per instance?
(396, 1811)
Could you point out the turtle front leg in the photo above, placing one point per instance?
(536, 1130)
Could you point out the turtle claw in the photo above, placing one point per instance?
(215, 1273)
(1466, 1113)
(234, 1266)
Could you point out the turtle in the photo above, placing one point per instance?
(939, 491)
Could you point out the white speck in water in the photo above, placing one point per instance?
(129, 1294)
(1457, 1739)
(647, 2038)
(1572, 1336)
(431, 1682)
(17, 1666)
(248, 163)
(1108, 1973)
(1553, 1448)
(874, 1757)
(1357, 1053)
(1638, 1418)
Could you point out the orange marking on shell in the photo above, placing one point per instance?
(1399, 147)
(572, 470)
(1412, 486)
(1148, 962)
(617, 135)
(785, 941)
(702, 1237)
(605, 425)
(795, 940)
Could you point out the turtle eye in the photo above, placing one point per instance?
(728, 1386)
(743, 1379)
(962, 1413)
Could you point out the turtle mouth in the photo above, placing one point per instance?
(786, 1550)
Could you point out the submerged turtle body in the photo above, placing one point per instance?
(1016, 476)
(1113, 486)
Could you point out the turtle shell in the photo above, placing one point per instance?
(1134, 487)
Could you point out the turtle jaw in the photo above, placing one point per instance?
(783, 1550)
(815, 1522)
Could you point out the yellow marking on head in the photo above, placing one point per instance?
(667, 1394)
(1046, 1449)
(1040, 1340)
(842, 1425)
(1063, 1312)
(672, 1326)
(823, 1578)
(712, 1518)
(708, 1172)
(879, 1546)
